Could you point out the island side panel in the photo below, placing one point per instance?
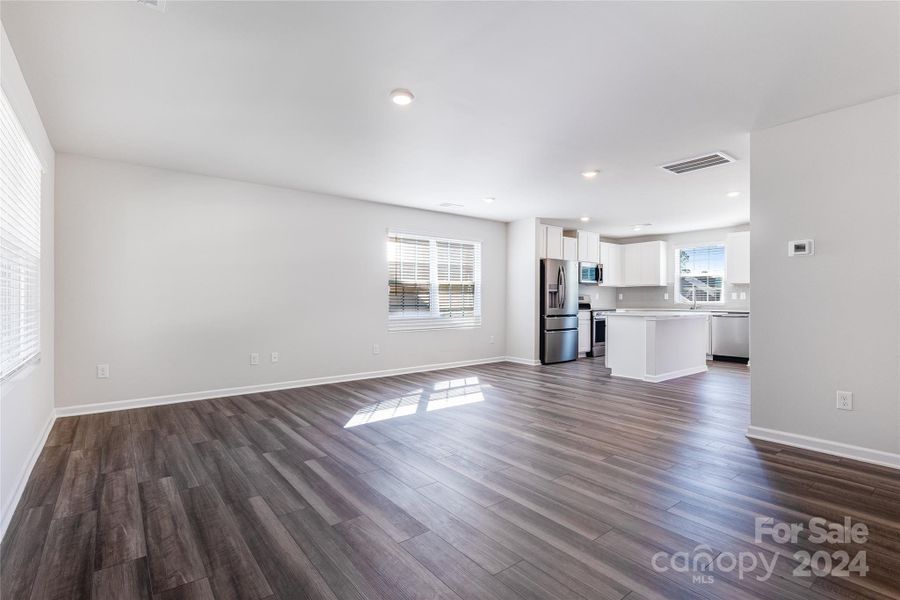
(626, 346)
(678, 348)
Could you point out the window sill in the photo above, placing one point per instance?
(400, 325)
(20, 373)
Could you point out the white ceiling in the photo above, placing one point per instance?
(513, 100)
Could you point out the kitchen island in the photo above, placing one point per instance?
(656, 345)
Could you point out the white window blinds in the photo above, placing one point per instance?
(409, 277)
(433, 282)
(20, 244)
(701, 273)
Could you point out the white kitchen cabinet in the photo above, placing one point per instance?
(632, 264)
(737, 257)
(644, 264)
(653, 263)
(588, 246)
(570, 248)
(551, 242)
(584, 331)
(611, 259)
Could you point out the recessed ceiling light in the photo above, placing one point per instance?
(402, 97)
(733, 194)
(487, 200)
(590, 174)
(640, 226)
(585, 219)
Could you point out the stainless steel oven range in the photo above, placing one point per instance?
(598, 333)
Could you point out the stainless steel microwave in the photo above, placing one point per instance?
(590, 273)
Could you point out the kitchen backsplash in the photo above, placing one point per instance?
(601, 297)
(653, 297)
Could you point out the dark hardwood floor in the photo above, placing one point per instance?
(490, 482)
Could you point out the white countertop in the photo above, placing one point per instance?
(705, 311)
(660, 314)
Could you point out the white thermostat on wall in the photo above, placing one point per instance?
(800, 248)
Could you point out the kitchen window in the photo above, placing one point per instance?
(20, 245)
(433, 283)
(701, 274)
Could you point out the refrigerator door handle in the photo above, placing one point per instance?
(562, 286)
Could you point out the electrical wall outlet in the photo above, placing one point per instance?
(103, 371)
(743, 295)
(621, 296)
(254, 358)
(844, 400)
(275, 357)
(666, 296)
(376, 349)
(491, 341)
(734, 295)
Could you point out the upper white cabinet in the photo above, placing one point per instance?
(653, 263)
(551, 242)
(611, 257)
(644, 264)
(737, 257)
(632, 265)
(570, 248)
(588, 246)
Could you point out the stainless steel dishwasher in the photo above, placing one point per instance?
(731, 336)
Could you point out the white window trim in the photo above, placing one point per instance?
(679, 299)
(401, 323)
(29, 154)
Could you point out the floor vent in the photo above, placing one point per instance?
(700, 162)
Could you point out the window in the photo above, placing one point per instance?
(701, 273)
(20, 245)
(433, 282)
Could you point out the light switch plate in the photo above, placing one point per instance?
(103, 371)
(800, 248)
(254, 358)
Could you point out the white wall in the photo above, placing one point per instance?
(831, 321)
(522, 288)
(173, 279)
(26, 400)
(653, 297)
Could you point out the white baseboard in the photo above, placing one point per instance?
(868, 455)
(13, 502)
(522, 361)
(675, 374)
(85, 409)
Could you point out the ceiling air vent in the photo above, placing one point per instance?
(700, 162)
(159, 5)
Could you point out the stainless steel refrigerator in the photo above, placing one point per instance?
(559, 310)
